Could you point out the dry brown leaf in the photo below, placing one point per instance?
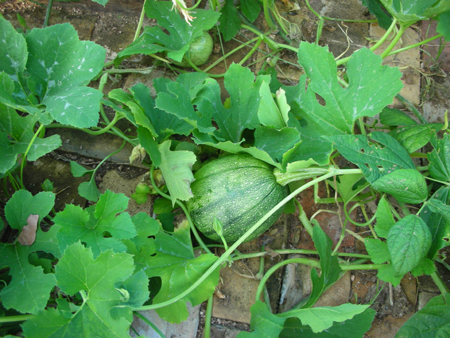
(28, 234)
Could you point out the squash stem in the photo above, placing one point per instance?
(208, 315)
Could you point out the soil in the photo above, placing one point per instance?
(113, 26)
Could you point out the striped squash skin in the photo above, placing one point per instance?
(238, 190)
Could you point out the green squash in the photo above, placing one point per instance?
(199, 51)
(238, 190)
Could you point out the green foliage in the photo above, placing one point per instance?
(266, 324)
(180, 34)
(96, 282)
(178, 268)
(430, 321)
(30, 287)
(101, 226)
(408, 242)
(329, 267)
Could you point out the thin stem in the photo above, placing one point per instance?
(18, 318)
(297, 251)
(24, 158)
(245, 44)
(47, 13)
(394, 41)
(249, 54)
(304, 219)
(418, 44)
(208, 315)
(439, 283)
(183, 207)
(267, 15)
(411, 106)
(149, 323)
(145, 71)
(141, 21)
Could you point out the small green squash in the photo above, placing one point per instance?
(199, 51)
(238, 190)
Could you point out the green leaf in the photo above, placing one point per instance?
(443, 27)
(181, 34)
(23, 204)
(250, 9)
(384, 217)
(89, 190)
(176, 100)
(377, 250)
(16, 134)
(329, 266)
(178, 268)
(408, 242)
(415, 137)
(78, 170)
(388, 274)
(29, 289)
(162, 206)
(176, 167)
(269, 113)
(383, 151)
(244, 91)
(235, 148)
(349, 186)
(406, 185)
(137, 289)
(276, 142)
(350, 328)
(13, 50)
(230, 22)
(63, 65)
(78, 271)
(440, 158)
(436, 215)
(150, 145)
(430, 321)
(410, 11)
(425, 267)
(375, 7)
(322, 318)
(372, 86)
(395, 117)
(165, 124)
(101, 226)
(142, 246)
(263, 323)
(101, 2)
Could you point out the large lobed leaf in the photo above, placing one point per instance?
(98, 280)
(60, 66)
(330, 109)
(101, 226)
(29, 289)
